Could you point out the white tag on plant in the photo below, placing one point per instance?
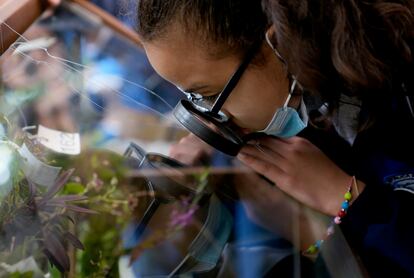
(61, 142)
(36, 171)
(27, 265)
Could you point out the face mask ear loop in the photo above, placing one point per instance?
(275, 50)
(269, 42)
(292, 89)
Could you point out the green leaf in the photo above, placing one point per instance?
(109, 235)
(73, 188)
(28, 274)
(54, 272)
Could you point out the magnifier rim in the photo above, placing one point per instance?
(148, 160)
(184, 111)
(173, 186)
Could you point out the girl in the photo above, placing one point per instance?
(354, 58)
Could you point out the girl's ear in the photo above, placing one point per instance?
(271, 30)
(270, 36)
(271, 41)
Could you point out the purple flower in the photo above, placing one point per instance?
(183, 215)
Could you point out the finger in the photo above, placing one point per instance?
(265, 153)
(286, 141)
(281, 147)
(192, 142)
(262, 166)
(54, 3)
(189, 154)
(270, 138)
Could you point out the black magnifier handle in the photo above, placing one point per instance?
(146, 218)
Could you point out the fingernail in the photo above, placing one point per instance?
(242, 156)
(253, 142)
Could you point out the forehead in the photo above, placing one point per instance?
(186, 64)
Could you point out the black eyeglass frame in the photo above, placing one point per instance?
(188, 113)
(233, 81)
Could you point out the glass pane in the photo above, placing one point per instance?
(74, 95)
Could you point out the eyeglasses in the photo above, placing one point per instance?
(204, 103)
(213, 104)
(207, 121)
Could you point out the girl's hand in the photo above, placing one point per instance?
(54, 3)
(301, 170)
(192, 151)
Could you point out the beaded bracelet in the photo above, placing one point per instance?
(314, 248)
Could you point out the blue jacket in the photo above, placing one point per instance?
(379, 226)
(380, 223)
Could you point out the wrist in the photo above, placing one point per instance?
(343, 185)
(354, 189)
(357, 188)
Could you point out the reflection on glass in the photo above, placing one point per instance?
(71, 74)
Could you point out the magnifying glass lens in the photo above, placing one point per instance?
(214, 129)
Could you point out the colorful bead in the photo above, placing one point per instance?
(342, 213)
(330, 230)
(312, 249)
(337, 220)
(319, 243)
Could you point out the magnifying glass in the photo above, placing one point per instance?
(170, 183)
(210, 124)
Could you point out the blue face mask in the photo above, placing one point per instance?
(286, 121)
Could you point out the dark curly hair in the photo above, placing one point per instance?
(362, 48)
(223, 26)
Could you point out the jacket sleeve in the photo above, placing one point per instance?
(379, 227)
